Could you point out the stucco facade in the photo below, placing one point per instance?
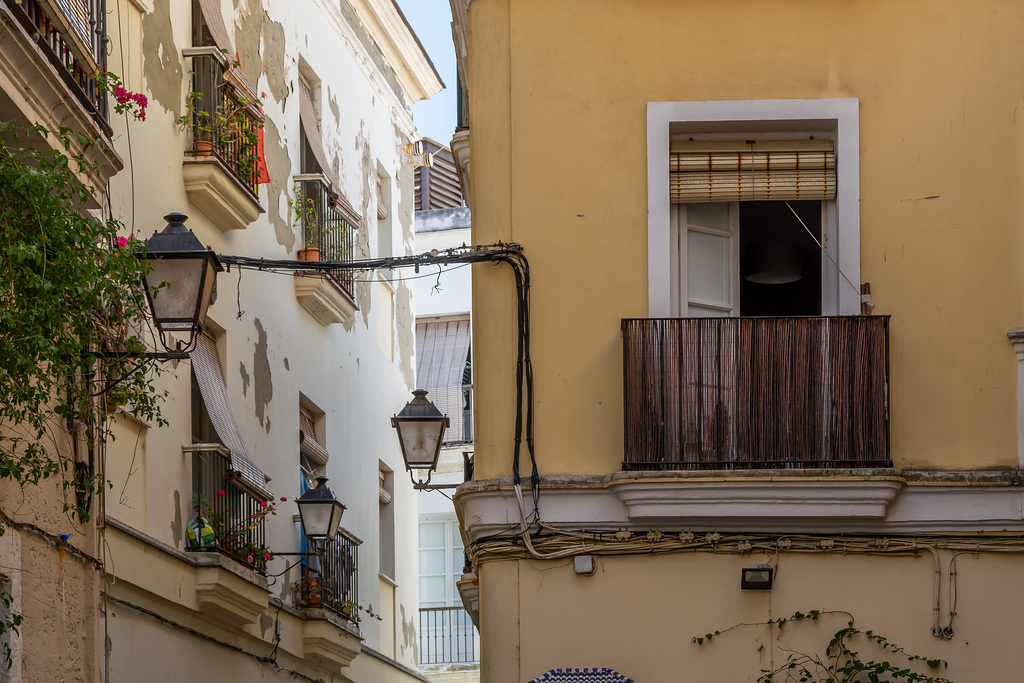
(575, 109)
(140, 603)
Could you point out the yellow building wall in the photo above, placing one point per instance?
(558, 95)
(644, 627)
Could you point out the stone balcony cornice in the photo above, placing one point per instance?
(797, 501)
(35, 94)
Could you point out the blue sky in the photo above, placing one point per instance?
(431, 20)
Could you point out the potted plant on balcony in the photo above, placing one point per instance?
(307, 220)
(231, 535)
(309, 591)
(199, 121)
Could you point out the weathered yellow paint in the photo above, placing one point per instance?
(558, 110)
(644, 627)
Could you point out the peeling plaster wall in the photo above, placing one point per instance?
(162, 65)
(56, 592)
(270, 348)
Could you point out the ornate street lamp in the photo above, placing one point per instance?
(180, 283)
(420, 428)
(320, 513)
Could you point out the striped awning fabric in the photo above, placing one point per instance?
(729, 176)
(308, 445)
(442, 347)
(206, 365)
(311, 129)
(75, 22)
(215, 22)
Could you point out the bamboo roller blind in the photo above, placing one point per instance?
(728, 175)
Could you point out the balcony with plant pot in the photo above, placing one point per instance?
(325, 597)
(328, 235)
(53, 56)
(223, 120)
(226, 537)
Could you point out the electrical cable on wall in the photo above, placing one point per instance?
(508, 253)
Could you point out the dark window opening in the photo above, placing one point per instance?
(780, 263)
(201, 35)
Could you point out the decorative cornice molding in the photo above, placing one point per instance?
(886, 502)
(461, 151)
(396, 39)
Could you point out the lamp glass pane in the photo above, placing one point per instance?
(421, 439)
(174, 303)
(208, 283)
(336, 511)
(316, 519)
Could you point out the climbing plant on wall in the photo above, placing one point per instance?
(840, 663)
(69, 288)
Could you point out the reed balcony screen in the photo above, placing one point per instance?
(233, 513)
(324, 227)
(447, 636)
(747, 393)
(225, 120)
(73, 37)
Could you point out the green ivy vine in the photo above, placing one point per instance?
(70, 289)
(840, 663)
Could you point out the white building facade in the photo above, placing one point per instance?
(297, 374)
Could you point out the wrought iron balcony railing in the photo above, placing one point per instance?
(73, 36)
(225, 116)
(324, 227)
(743, 393)
(235, 516)
(447, 636)
(329, 580)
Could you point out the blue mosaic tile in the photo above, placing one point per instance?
(582, 676)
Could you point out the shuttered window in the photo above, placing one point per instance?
(314, 138)
(750, 171)
(308, 444)
(442, 348)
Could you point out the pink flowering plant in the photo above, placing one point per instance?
(134, 103)
(235, 535)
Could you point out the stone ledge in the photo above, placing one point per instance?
(461, 152)
(227, 592)
(324, 300)
(809, 498)
(328, 640)
(891, 501)
(469, 592)
(214, 190)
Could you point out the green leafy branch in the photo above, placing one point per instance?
(840, 663)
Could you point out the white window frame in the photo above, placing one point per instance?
(841, 229)
(681, 228)
(453, 561)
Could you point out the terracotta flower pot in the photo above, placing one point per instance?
(202, 148)
(309, 254)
